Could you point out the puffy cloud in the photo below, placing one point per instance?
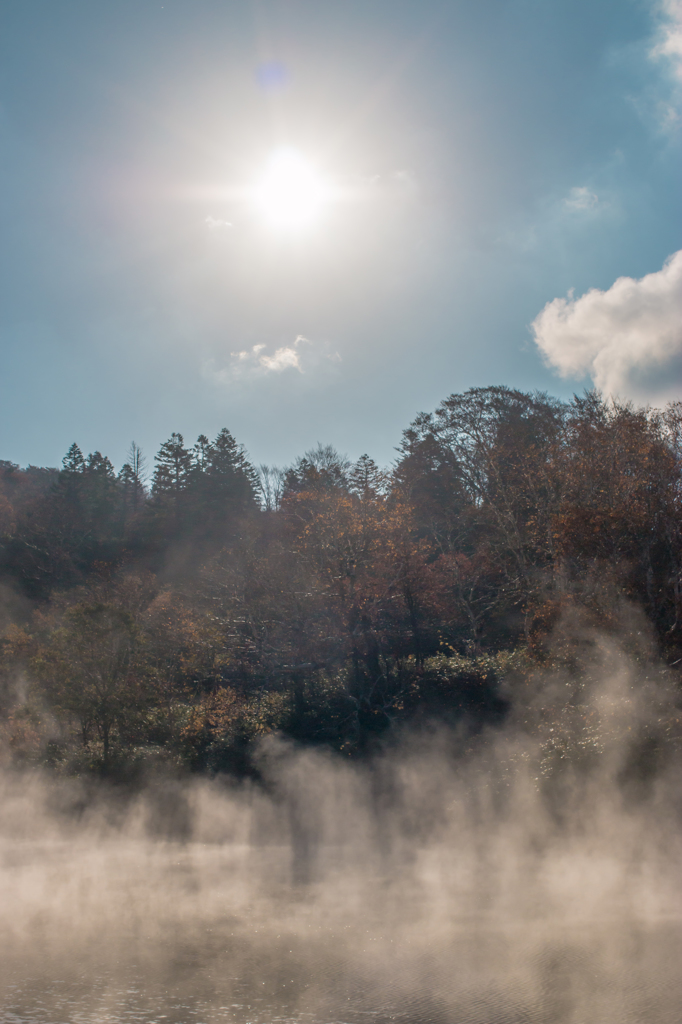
(301, 355)
(628, 339)
(283, 359)
(288, 357)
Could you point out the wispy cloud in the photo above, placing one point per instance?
(667, 51)
(627, 339)
(215, 224)
(580, 198)
(669, 44)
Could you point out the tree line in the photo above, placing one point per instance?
(173, 617)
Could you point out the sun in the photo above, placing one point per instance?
(290, 193)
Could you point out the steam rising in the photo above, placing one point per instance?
(527, 874)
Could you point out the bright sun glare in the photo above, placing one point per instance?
(290, 194)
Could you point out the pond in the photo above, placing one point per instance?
(178, 933)
(423, 891)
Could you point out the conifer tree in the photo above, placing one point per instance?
(231, 478)
(201, 454)
(73, 461)
(174, 462)
(365, 478)
(99, 465)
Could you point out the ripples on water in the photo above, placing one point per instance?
(176, 933)
(601, 974)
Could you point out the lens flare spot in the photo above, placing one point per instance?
(291, 193)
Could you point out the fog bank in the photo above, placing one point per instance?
(527, 874)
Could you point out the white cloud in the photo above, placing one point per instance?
(283, 359)
(214, 224)
(670, 37)
(301, 355)
(580, 198)
(668, 50)
(628, 339)
(258, 360)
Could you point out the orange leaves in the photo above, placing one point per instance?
(618, 481)
(224, 712)
(215, 713)
(344, 534)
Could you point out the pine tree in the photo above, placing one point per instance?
(225, 455)
(231, 477)
(73, 461)
(174, 463)
(366, 479)
(99, 465)
(201, 454)
(126, 480)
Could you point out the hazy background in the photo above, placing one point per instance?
(500, 153)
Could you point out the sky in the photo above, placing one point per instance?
(310, 221)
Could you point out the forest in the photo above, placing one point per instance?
(169, 616)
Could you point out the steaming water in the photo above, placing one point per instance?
(604, 974)
(447, 924)
(306, 958)
(432, 888)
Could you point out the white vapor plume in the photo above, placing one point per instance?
(529, 874)
(626, 339)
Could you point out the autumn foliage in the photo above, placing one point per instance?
(173, 625)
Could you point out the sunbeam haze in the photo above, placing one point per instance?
(350, 690)
(407, 184)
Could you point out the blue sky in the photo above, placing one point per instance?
(480, 160)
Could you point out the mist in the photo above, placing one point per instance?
(529, 872)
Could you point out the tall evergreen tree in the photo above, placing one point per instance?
(201, 454)
(99, 465)
(366, 479)
(173, 465)
(73, 461)
(232, 482)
